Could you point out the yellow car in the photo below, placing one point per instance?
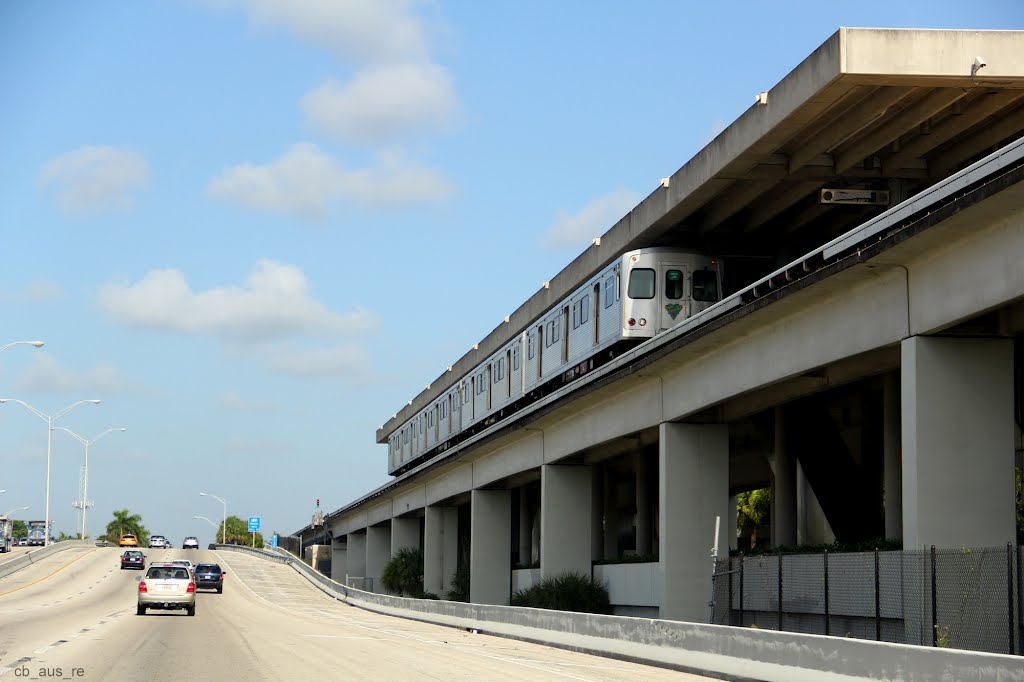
(128, 540)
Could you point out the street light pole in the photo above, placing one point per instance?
(224, 528)
(8, 513)
(209, 522)
(37, 344)
(49, 419)
(85, 478)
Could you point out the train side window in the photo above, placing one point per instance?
(531, 346)
(618, 285)
(577, 317)
(705, 285)
(584, 309)
(515, 358)
(609, 292)
(674, 284)
(641, 283)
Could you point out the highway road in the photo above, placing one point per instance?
(72, 616)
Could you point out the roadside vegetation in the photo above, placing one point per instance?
(566, 592)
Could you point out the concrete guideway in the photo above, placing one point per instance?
(720, 651)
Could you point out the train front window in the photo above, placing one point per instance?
(673, 284)
(705, 285)
(641, 283)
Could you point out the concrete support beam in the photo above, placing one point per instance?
(339, 563)
(378, 552)
(643, 505)
(441, 548)
(694, 489)
(958, 478)
(356, 555)
(784, 498)
(565, 518)
(490, 550)
(892, 457)
(405, 533)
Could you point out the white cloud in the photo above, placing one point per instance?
(275, 303)
(92, 179)
(593, 220)
(45, 375)
(305, 181)
(382, 103)
(346, 362)
(374, 31)
(37, 291)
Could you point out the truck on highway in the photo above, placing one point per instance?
(36, 532)
(6, 530)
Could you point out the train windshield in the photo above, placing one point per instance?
(641, 283)
(705, 285)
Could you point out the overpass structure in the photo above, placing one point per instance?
(868, 368)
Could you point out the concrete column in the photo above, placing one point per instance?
(405, 532)
(812, 526)
(784, 511)
(356, 555)
(892, 457)
(597, 513)
(957, 436)
(694, 489)
(490, 547)
(525, 526)
(611, 517)
(643, 505)
(378, 552)
(565, 519)
(733, 523)
(441, 548)
(339, 565)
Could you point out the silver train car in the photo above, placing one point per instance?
(635, 297)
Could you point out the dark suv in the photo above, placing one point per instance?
(209, 577)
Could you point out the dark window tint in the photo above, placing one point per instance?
(208, 568)
(705, 285)
(674, 284)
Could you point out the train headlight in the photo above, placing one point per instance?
(643, 321)
(631, 322)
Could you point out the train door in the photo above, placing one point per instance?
(565, 334)
(673, 301)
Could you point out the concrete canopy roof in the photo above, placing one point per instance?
(876, 109)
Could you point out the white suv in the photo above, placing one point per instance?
(167, 586)
(190, 543)
(157, 542)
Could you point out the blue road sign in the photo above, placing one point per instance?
(254, 524)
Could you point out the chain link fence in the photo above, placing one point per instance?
(960, 598)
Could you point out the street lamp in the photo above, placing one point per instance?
(209, 522)
(49, 419)
(224, 529)
(8, 513)
(85, 468)
(37, 344)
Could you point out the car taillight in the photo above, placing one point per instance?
(191, 587)
(220, 577)
(142, 587)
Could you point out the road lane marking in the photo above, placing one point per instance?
(47, 576)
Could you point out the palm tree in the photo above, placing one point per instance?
(126, 522)
(751, 508)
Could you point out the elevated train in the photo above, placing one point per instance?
(651, 291)
(633, 298)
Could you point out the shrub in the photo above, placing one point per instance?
(566, 592)
(403, 573)
(460, 584)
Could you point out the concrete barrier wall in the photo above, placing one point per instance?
(743, 653)
(27, 559)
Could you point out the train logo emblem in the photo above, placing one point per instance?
(673, 309)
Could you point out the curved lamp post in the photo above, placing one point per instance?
(37, 344)
(49, 419)
(8, 513)
(209, 521)
(85, 478)
(224, 529)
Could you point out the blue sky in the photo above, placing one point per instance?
(255, 229)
